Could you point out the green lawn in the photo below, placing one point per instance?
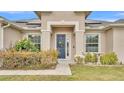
(79, 72)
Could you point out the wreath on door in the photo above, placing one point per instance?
(61, 43)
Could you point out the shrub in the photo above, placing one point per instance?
(88, 57)
(91, 58)
(22, 59)
(78, 59)
(109, 59)
(25, 45)
(94, 58)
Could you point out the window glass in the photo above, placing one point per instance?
(92, 41)
(36, 39)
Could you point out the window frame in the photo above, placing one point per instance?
(37, 34)
(99, 42)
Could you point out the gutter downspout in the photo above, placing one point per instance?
(2, 35)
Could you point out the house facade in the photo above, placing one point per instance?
(70, 32)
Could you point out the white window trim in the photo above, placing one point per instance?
(99, 42)
(27, 34)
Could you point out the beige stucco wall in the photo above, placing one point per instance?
(118, 42)
(103, 42)
(109, 40)
(1, 37)
(63, 15)
(79, 41)
(11, 35)
(46, 36)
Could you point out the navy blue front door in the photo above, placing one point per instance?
(61, 45)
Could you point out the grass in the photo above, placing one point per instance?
(79, 72)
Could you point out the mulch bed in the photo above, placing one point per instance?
(33, 67)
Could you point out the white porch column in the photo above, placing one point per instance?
(79, 42)
(45, 40)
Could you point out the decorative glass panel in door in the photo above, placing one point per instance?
(61, 45)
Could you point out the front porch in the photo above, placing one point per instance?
(65, 37)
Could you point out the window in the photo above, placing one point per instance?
(92, 42)
(36, 39)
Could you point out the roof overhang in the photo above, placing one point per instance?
(113, 26)
(110, 26)
(39, 13)
(86, 13)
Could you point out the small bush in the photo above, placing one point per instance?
(90, 58)
(23, 59)
(25, 45)
(109, 59)
(94, 58)
(78, 59)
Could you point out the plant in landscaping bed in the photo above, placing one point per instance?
(94, 58)
(91, 58)
(109, 59)
(25, 45)
(88, 57)
(54, 55)
(28, 60)
(78, 59)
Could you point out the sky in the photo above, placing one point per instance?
(18, 15)
(107, 15)
(95, 15)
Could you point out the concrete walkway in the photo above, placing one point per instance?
(61, 69)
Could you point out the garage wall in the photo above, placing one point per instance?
(109, 40)
(118, 42)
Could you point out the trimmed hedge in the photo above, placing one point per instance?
(22, 59)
